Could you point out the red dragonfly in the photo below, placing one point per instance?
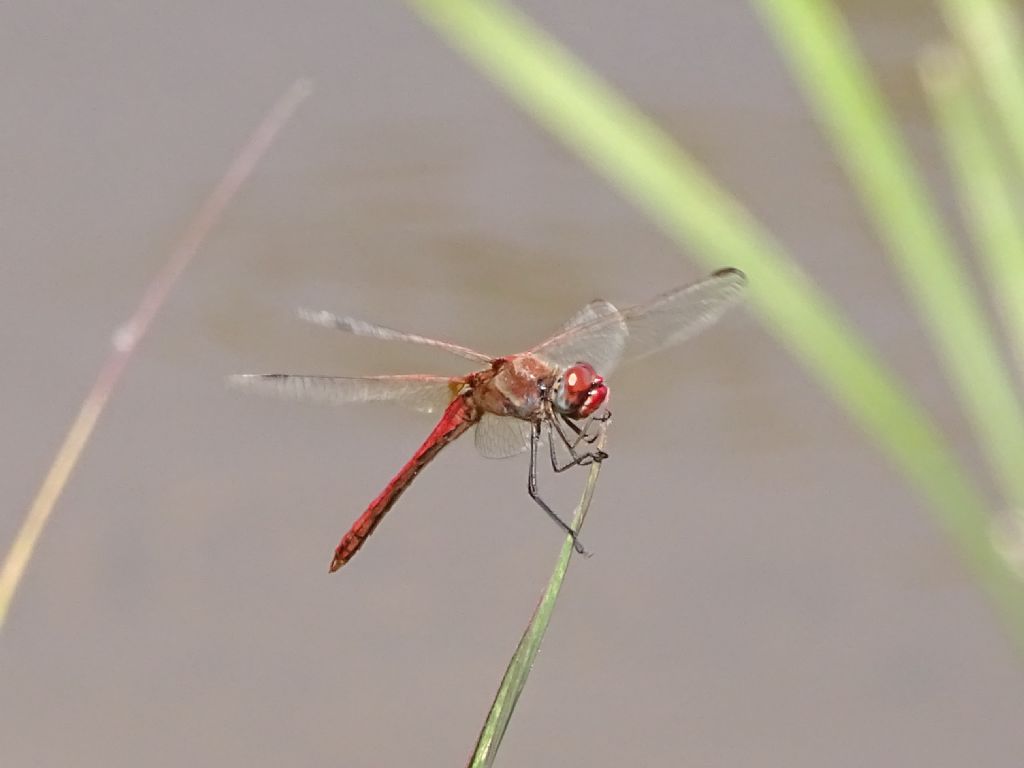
(552, 392)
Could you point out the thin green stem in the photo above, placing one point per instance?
(519, 667)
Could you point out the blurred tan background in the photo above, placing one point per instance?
(765, 590)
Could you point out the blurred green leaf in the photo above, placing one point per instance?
(989, 190)
(837, 83)
(990, 30)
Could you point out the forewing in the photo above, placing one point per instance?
(427, 394)
(499, 437)
(602, 335)
(588, 313)
(363, 328)
(596, 335)
(682, 313)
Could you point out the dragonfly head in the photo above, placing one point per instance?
(580, 391)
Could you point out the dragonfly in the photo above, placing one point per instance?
(555, 392)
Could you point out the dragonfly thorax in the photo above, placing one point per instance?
(514, 386)
(579, 392)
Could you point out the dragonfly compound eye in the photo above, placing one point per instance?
(583, 391)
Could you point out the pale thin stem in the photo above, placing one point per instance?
(128, 335)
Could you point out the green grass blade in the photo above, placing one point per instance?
(821, 50)
(985, 185)
(649, 168)
(519, 667)
(991, 33)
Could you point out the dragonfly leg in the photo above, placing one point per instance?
(577, 459)
(532, 489)
(583, 433)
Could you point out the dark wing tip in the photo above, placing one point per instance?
(732, 272)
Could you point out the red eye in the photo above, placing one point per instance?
(579, 379)
(583, 391)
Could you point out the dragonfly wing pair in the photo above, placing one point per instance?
(423, 393)
(604, 336)
(426, 394)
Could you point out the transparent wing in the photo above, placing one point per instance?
(498, 437)
(588, 313)
(681, 314)
(609, 335)
(427, 394)
(363, 328)
(596, 335)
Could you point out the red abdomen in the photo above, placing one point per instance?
(460, 415)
